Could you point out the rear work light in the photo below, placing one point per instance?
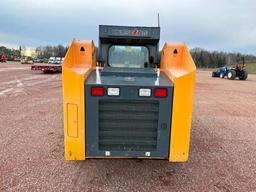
(97, 91)
(160, 92)
(144, 92)
(113, 91)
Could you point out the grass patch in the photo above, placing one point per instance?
(251, 68)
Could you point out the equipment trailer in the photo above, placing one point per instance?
(127, 108)
(46, 67)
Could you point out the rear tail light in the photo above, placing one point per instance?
(97, 91)
(160, 92)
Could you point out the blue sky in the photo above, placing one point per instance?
(223, 25)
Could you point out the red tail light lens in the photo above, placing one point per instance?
(160, 92)
(97, 91)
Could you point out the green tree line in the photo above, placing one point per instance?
(212, 59)
(201, 57)
(51, 51)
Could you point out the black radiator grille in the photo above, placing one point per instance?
(126, 125)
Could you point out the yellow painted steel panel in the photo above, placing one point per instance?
(78, 63)
(178, 65)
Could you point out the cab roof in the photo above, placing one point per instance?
(130, 34)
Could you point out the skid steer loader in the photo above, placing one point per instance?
(125, 99)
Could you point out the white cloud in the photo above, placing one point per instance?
(220, 24)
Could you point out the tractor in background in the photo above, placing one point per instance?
(232, 72)
(3, 58)
(237, 71)
(220, 72)
(26, 60)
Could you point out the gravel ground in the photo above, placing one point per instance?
(222, 150)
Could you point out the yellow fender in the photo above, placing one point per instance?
(178, 65)
(77, 65)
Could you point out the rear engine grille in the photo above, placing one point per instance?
(128, 125)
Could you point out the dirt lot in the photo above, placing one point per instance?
(222, 150)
